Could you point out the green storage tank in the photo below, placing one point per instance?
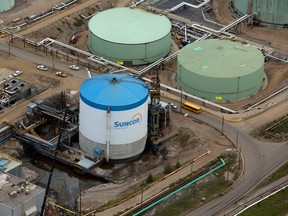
(6, 5)
(220, 70)
(270, 13)
(132, 36)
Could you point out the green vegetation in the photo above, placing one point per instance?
(177, 165)
(282, 128)
(149, 179)
(203, 193)
(282, 171)
(200, 194)
(167, 169)
(78, 22)
(274, 205)
(59, 29)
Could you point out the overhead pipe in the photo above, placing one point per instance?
(181, 188)
(108, 133)
(188, 4)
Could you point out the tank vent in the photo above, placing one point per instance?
(114, 80)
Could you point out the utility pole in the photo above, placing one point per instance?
(191, 168)
(80, 200)
(237, 140)
(239, 156)
(142, 197)
(222, 125)
(181, 94)
(9, 48)
(53, 60)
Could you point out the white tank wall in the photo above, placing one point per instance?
(125, 142)
(93, 124)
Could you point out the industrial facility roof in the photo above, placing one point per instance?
(14, 191)
(117, 91)
(129, 26)
(220, 58)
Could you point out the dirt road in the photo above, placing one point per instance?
(57, 16)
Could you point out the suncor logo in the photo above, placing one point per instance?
(135, 120)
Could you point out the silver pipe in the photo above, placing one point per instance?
(108, 134)
(187, 4)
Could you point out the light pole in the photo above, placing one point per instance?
(141, 197)
(222, 126)
(9, 48)
(191, 168)
(53, 60)
(181, 101)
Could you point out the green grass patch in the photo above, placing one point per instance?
(195, 197)
(203, 193)
(59, 29)
(282, 128)
(274, 205)
(282, 171)
(78, 22)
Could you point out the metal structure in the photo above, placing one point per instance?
(270, 13)
(13, 90)
(129, 36)
(6, 5)
(220, 70)
(113, 116)
(159, 113)
(19, 197)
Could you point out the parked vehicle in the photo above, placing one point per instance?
(42, 67)
(17, 73)
(172, 105)
(74, 67)
(61, 74)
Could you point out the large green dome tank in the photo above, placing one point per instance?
(270, 13)
(6, 5)
(129, 35)
(220, 70)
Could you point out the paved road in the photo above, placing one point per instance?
(47, 61)
(260, 158)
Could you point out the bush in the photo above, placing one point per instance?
(177, 165)
(167, 169)
(149, 179)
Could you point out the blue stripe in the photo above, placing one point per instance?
(113, 108)
(126, 93)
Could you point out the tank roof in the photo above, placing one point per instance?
(220, 58)
(117, 91)
(129, 26)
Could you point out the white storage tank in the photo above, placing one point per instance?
(113, 116)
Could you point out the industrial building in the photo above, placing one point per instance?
(6, 5)
(269, 13)
(129, 36)
(113, 116)
(19, 197)
(220, 70)
(13, 90)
